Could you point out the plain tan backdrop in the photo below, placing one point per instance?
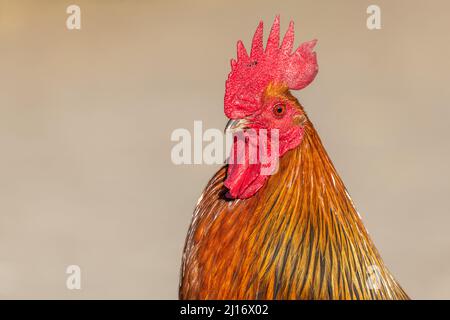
(86, 116)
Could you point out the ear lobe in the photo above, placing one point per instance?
(299, 119)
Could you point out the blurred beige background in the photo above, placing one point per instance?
(86, 117)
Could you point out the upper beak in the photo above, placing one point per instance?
(234, 125)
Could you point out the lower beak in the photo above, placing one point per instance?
(234, 125)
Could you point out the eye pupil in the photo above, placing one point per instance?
(279, 110)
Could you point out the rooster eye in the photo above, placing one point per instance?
(279, 110)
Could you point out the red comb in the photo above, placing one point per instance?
(250, 75)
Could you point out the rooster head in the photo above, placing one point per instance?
(257, 96)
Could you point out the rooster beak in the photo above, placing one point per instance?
(234, 125)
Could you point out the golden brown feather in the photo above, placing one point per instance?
(299, 237)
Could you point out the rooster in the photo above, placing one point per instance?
(294, 234)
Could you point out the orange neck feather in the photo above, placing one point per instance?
(299, 237)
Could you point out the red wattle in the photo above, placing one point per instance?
(243, 180)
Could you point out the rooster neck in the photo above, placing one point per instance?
(299, 237)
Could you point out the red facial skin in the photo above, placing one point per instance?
(278, 111)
